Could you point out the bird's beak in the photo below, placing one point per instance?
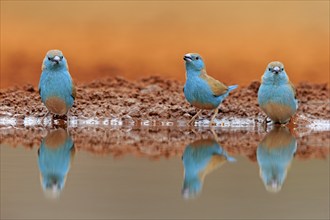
(273, 187)
(276, 69)
(186, 193)
(187, 57)
(57, 59)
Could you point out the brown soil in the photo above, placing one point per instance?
(157, 98)
(160, 99)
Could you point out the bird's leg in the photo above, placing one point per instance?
(214, 134)
(194, 131)
(264, 123)
(68, 115)
(42, 119)
(192, 120)
(213, 117)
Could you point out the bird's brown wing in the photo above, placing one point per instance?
(217, 87)
(215, 162)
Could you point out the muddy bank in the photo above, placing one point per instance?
(161, 142)
(157, 98)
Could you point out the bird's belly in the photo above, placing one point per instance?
(201, 105)
(277, 102)
(56, 85)
(56, 139)
(56, 105)
(278, 94)
(201, 97)
(278, 112)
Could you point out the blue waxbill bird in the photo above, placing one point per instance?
(201, 90)
(56, 87)
(277, 95)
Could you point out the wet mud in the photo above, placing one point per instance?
(161, 142)
(143, 119)
(158, 98)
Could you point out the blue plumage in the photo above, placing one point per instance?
(54, 159)
(274, 155)
(200, 158)
(277, 95)
(200, 89)
(56, 87)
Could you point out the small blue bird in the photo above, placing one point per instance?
(54, 158)
(274, 155)
(199, 159)
(200, 89)
(277, 95)
(56, 87)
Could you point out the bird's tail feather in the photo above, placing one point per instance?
(231, 88)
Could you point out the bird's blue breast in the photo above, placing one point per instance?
(281, 94)
(274, 161)
(54, 161)
(277, 101)
(199, 94)
(195, 160)
(56, 84)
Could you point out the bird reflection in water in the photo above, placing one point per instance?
(54, 158)
(274, 155)
(200, 158)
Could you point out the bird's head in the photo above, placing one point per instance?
(52, 185)
(194, 62)
(192, 188)
(273, 186)
(275, 67)
(275, 73)
(54, 59)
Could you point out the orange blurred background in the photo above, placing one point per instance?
(138, 39)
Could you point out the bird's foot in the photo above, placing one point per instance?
(61, 124)
(264, 123)
(267, 120)
(215, 135)
(43, 118)
(60, 117)
(212, 123)
(191, 122)
(60, 121)
(194, 131)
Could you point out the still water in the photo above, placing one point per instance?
(203, 179)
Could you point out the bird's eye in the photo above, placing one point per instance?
(61, 57)
(197, 58)
(49, 58)
(282, 69)
(270, 69)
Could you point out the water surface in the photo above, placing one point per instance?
(204, 178)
